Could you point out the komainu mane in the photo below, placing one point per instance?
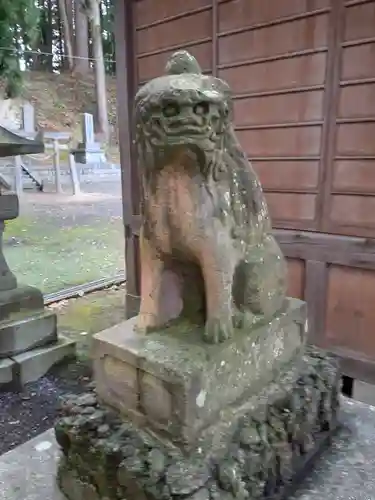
(207, 252)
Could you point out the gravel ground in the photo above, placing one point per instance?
(25, 414)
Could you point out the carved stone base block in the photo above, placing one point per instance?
(179, 386)
(105, 457)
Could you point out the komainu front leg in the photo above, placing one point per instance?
(152, 267)
(217, 268)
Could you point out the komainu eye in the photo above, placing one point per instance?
(171, 109)
(202, 108)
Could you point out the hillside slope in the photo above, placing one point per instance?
(59, 100)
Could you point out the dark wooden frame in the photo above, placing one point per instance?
(316, 250)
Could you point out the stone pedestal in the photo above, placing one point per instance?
(175, 383)
(174, 418)
(29, 345)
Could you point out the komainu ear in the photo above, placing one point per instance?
(182, 62)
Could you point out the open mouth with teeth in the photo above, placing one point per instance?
(176, 123)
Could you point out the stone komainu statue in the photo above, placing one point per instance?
(207, 252)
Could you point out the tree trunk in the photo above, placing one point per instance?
(49, 36)
(82, 64)
(100, 80)
(67, 34)
(44, 42)
(69, 5)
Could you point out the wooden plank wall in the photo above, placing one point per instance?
(303, 77)
(274, 56)
(168, 25)
(349, 206)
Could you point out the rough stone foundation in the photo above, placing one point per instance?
(107, 458)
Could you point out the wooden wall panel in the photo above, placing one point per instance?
(336, 276)
(279, 142)
(153, 65)
(358, 62)
(277, 75)
(292, 209)
(350, 179)
(296, 278)
(280, 108)
(175, 32)
(354, 176)
(163, 27)
(359, 22)
(274, 57)
(300, 175)
(355, 139)
(149, 11)
(350, 316)
(269, 41)
(237, 13)
(353, 211)
(357, 101)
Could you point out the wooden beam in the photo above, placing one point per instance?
(126, 90)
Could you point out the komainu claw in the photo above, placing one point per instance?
(217, 330)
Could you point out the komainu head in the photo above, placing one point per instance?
(183, 107)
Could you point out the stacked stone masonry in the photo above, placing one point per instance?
(105, 457)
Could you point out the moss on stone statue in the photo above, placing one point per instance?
(107, 457)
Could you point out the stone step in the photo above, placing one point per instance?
(32, 365)
(7, 367)
(26, 330)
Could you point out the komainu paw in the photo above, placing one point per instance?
(218, 330)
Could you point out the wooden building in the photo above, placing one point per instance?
(303, 76)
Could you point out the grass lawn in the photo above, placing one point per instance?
(79, 319)
(53, 258)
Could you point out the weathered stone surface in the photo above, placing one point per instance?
(6, 371)
(260, 459)
(179, 384)
(9, 206)
(207, 250)
(20, 299)
(32, 365)
(25, 331)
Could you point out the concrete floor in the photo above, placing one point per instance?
(364, 392)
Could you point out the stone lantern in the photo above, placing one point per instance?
(29, 345)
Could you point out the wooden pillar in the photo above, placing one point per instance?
(126, 90)
(215, 29)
